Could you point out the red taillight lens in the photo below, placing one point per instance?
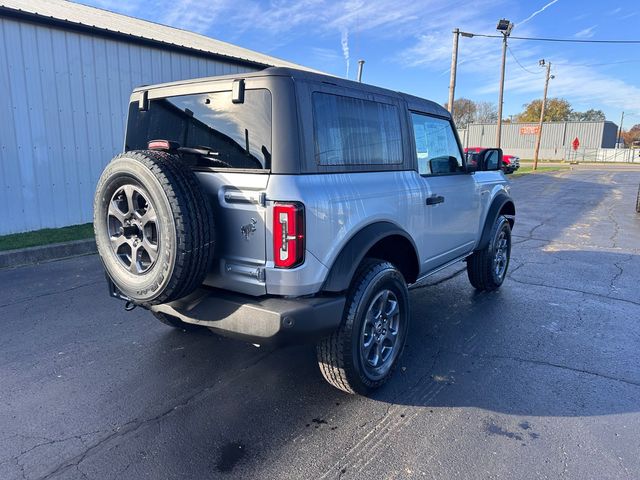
(288, 235)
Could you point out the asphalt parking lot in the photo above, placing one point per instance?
(538, 380)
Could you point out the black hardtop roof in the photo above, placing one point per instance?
(414, 103)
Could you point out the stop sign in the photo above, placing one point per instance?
(576, 143)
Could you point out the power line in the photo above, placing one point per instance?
(575, 40)
(519, 64)
(565, 40)
(569, 64)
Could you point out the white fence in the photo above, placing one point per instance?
(617, 155)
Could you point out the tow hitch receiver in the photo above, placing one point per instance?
(116, 293)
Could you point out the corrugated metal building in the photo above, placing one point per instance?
(556, 142)
(66, 72)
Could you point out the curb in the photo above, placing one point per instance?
(45, 253)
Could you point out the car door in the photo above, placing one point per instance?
(452, 206)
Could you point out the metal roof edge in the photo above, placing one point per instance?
(65, 24)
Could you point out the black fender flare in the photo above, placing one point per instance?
(345, 265)
(499, 201)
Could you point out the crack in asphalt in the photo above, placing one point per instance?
(560, 243)
(615, 278)
(135, 425)
(567, 289)
(48, 294)
(544, 363)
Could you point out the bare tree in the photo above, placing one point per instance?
(464, 112)
(486, 112)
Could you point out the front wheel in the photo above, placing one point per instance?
(487, 268)
(363, 353)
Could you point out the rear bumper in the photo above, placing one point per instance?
(269, 320)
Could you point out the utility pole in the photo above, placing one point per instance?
(360, 66)
(544, 104)
(504, 27)
(620, 131)
(454, 67)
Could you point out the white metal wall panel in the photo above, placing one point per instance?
(556, 137)
(63, 106)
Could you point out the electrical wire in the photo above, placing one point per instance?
(520, 65)
(566, 40)
(569, 64)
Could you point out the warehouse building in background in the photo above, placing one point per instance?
(557, 140)
(66, 73)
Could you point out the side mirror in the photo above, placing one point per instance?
(490, 159)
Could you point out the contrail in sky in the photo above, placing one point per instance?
(345, 47)
(537, 12)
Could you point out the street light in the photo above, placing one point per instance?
(504, 27)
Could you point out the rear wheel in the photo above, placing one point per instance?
(363, 353)
(487, 268)
(638, 201)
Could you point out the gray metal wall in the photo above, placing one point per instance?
(555, 143)
(63, 103)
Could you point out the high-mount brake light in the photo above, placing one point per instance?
(288, 234)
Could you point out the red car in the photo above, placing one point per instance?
(510, 163)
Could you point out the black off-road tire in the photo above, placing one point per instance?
(175, 322)
(481, 265)
(638, 201)
(184, 229)
(339, 355)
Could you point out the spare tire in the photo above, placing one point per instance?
(153, 226)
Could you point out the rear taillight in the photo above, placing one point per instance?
(288, 234)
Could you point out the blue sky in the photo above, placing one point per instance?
(407, 44)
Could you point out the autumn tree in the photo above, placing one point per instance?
(557, 110)
(631, 135)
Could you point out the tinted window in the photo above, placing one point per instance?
(436, 146)
(238, 134)
(352, 131)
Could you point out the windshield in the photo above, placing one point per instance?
(236, 135)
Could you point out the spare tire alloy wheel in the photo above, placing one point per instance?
(133, 228)
(153, 226)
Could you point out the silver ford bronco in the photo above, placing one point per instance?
(285, 206)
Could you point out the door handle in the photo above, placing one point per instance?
(434, 199)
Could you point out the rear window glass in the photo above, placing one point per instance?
(236, 135)
(352, 131)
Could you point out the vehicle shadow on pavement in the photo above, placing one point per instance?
(90, 390)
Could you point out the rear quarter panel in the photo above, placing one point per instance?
(337, 206)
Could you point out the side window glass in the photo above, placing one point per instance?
(436, 146)
(352, 131)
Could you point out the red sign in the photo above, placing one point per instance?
(575, 143)
(529, 130)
